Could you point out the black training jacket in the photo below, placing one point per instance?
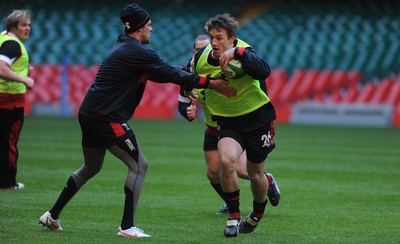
(122, 77)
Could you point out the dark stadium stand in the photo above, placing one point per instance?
(321, 51)
(329, 35)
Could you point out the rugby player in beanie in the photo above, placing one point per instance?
(134, 17)
(108, 106)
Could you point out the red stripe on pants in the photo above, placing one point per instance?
(13, 150)
(118, 130)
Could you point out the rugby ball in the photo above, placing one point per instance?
(234, 69)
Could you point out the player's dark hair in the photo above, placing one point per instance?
(222, 21)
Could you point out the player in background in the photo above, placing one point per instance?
(14, 81)
(188, 109)
(245, 122)
(108, 106)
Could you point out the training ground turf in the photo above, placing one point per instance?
(338, 185)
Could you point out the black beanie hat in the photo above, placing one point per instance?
(133, 17)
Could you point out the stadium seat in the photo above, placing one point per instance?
(393, 97)
(366, 94)
(382, 91)
(289, 92)
(335, 96)
(275, 83)
(351, 95)
(305, 90)
(329, 36)
(322, 81)
(319, 51)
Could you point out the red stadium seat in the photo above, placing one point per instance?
(351, 95)
(288, 93)
(366, 93)
(318, 97)
(335, 96)
(382, 91)
(394, 94)
(353, 78)
(322, 81)
(306, 88)
(338, 79)
(275, 83)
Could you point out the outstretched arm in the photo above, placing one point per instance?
(222, 87)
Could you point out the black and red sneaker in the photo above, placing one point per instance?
(223, 210)
(249, 224)
(273, 193)
(232, 225)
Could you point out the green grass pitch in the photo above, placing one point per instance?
(338, 185)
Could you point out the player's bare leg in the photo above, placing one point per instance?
(213, 170)
(259, 188)
(230, 151)
(241, 168)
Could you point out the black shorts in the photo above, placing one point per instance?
(253, 131)
(102, 134)
(257, 143)
(210, 139)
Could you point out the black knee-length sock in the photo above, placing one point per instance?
(127, 220)
(218, 189)
(66, 195)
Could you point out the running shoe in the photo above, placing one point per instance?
(273, 193)
(49, 222)
(19, 186)
(223, 210)
(231, 228)
(249, 224)
(132, 232)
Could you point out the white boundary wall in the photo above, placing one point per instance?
(342, 114)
